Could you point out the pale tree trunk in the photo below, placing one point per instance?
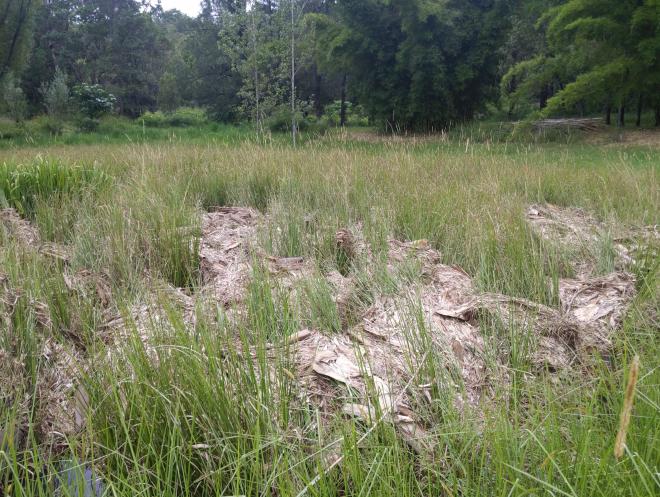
(293, 78)
(342, 108)
(318, 107)
(256, 73)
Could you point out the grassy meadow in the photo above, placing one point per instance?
(201, 421)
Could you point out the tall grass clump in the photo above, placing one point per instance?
(22, 185)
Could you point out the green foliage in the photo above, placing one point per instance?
(93, 100)
(16, 30)
(56, 95)
(601, 52)
(280, 119)
(23, 185)
(88, 124)
(45, 124)
(206, 69)
(180, 118)
(427, 64)
(9, 129)
(14, 98)
(355, 114)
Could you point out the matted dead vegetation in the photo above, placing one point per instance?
(373, 369)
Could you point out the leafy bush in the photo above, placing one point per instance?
(355, 114)
(14, 98)
(280, 121)
(10, 130)
(182, 117)
(88, 125)
(46, 124)
(21, 185)
(57, 98)
(93, 100)
(154, 119)
(188, 116)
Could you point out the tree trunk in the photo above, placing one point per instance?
(543, 97)
(638, 121)
(621, 119)
(22, 18)
(342, 109)
(608, 114)
(657, 116)
(293, 79)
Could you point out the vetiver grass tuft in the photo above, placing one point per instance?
(203, 420)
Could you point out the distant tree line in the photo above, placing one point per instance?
(408, 64)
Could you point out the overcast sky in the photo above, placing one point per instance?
(190, 7)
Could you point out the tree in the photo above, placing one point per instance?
(417, 64)
(56, 96)
(209, 57)
(121, 48)
(16, 29)
(55, 46)
(93, 100)
(606, 53)
(14, 98)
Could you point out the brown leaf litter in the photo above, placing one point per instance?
(369, 370)
(19, 229)
(376, 358)
(56, 411)
(224, 252)
(57, 375)
(150, 321)
(599, 300)
(228, 254)
(27, 235)
(444, 314)
(580, 232)
(362, 370)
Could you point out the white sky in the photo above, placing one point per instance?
(190, 7)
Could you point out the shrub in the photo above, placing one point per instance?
(10, 130)
(45, 124)
(154, 119)
(88, 125)
(188, 116)
(355, 114)
(93, 100)
(182, 117)
(280, 121)
(57, 98)
(14, 99)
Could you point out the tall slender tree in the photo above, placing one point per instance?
(16, 32)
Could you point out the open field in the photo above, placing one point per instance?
(160, 345)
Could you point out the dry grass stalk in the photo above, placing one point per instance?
(626, 412)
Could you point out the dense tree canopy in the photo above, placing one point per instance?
(16, 32)
(411, 64)
(601, 53)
